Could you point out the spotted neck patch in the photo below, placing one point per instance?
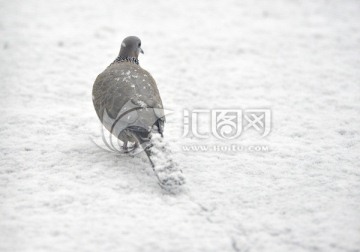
(126, 59)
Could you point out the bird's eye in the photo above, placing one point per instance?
(139, 44)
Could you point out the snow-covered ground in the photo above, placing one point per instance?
(301, 59)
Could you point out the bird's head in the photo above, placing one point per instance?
(130, 47)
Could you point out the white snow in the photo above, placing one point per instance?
(60, 192)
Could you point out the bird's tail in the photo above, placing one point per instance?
(167, 171)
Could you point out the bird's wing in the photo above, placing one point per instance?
(129, 95)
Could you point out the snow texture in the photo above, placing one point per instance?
(60, 192)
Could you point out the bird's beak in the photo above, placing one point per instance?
(141, 50)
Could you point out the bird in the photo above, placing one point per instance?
(128, 103)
